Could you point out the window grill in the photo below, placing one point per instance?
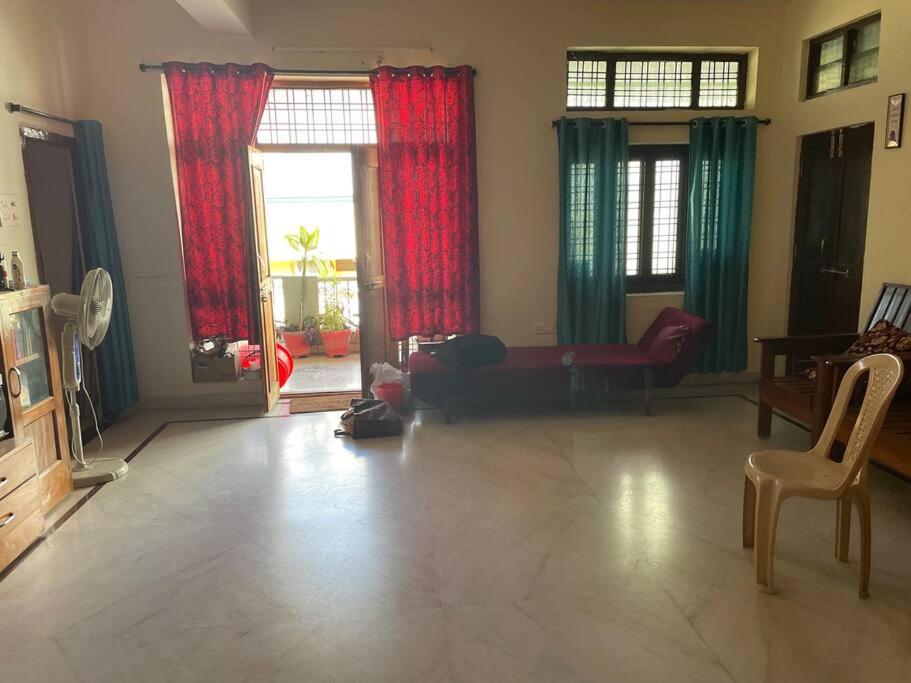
(318, 116)
(630, 81)
(656, 217)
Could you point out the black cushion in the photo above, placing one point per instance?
(470, 351)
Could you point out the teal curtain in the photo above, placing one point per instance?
(591, 276)
(116, 365)
(722, 167)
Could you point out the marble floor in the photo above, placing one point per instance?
(322, 374)
(543, 546)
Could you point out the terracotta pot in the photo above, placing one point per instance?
(298, 343)
(335, 344)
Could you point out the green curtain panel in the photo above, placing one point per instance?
(722, 168)
(116, 365)
(591, 280)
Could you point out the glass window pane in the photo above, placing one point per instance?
(718, 84)
(666, 216)
(586, 83)
(654, 84)
(31, 358)
(864, 67)
(828, 77)
(318, 116)
(867, 37)
(633, 215)
(832, 50)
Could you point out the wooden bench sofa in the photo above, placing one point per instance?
(809, 400)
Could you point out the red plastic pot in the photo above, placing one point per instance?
(297, 342)
(335, 344)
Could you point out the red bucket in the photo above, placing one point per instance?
(393, 393)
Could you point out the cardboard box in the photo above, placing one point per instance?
(225, 369)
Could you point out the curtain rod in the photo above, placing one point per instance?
(14, 107)
(294, 72)
(761, 122)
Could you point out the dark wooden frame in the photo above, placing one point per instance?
(696, 58)
(849, 31)
(27, 133)
(644, 281)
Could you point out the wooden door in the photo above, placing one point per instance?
(32, 373)
(264, 323)
(830, 230)
(376, 346)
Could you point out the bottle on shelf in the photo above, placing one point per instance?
(17, 272)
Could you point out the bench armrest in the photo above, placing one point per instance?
(851, 358)
(806, 344)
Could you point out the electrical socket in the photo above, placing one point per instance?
(545, 328)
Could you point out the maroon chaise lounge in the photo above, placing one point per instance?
(537, 371)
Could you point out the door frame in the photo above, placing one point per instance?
(27, 133)
(802, 209)
(354, 150)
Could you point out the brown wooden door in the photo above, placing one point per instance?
(265, 325)
(830, 230)
(376, 346)
(32, 375)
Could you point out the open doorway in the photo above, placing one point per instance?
(310, 222)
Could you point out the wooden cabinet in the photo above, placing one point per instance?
(21, 519)
(31, 372)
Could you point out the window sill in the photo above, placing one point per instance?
(662, 292)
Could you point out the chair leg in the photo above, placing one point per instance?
(749, 512)
(767, 506)
(648, 381)
(842, 529)
(764, 423)
(862, 500)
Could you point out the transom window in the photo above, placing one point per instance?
(656, 217)
(318, 116)
(845, 57)
(613, 80)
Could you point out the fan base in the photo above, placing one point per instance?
(101, 471)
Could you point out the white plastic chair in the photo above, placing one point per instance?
(772, 476)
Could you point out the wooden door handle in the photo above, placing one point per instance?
(14, 371)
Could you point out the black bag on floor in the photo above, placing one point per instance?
(370, 417)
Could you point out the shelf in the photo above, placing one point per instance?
(29, 359)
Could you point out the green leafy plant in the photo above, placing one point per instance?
(332, 318)
(305, 242)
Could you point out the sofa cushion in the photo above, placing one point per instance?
(667, 344)
(883, 337)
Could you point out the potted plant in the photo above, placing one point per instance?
(299, 334)
(334, 328)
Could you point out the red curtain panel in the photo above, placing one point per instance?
(428, 198)
(216, 110)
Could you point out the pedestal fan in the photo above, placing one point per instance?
(87, 317)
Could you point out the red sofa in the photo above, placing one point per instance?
(537, 371)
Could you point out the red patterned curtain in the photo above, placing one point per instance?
(428, 199)
(216, 111)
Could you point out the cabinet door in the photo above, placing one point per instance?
(34, 388)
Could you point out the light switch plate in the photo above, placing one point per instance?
(545, 328)
(10, 211)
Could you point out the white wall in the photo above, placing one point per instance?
(889, 216)
(42, 60)
(519, 50)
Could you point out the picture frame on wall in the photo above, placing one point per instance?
(895, 119)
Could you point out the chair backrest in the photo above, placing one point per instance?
(884, 373)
